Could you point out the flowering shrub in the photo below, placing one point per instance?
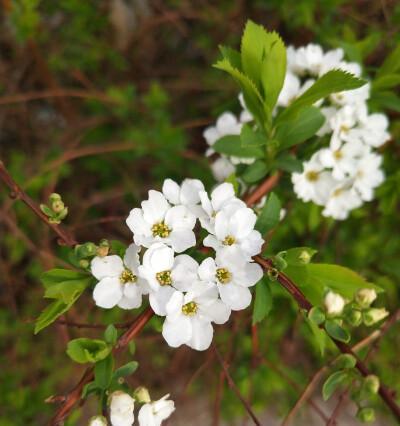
(197, 256)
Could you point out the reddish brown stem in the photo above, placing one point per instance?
(269, 183)
(17, 192)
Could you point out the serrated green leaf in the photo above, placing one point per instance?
(336, 331)
(232, 55)
(231, 145)
(269, 215)
(263, 300)
(254, 172)
(103, 372)
(83, 350)
(339, 378)
(55, 276)
(332, 82)
(125, 370)
(299, 127)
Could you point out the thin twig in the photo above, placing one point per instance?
(235, 389)
(263, 189)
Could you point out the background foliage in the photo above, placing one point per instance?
(100, 101)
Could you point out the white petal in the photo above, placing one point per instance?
(159, 257)
(252, 274)
(146, 416)
(137, 224)
(190, 191)
(155, 208)
(184, 272)
(211, 241)
(174, 305)
(235, 296)
(180, 217)
(202, 334)
(252, 244)
(171, 191)
(131, 258)
(221, 194)
(207, 269)
(177, 333)
(243, 221)
(107, 266)
(160, 298)
(221, 226)
(130, 303)
(182, 239)
(218, 312)
(107, 292)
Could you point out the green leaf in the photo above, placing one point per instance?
(89, 388)
(288, 163)
(103, 372)
(269, 215)
(263, 300)
(319, 335)
(316, 315)
(332, 82)
(273, 69)
(111, 335)
(250, 137)
(126, 370)
(52, 312)
(85, 350)
(299, 255)
(339, 378)
(386, 82)
(251, 94)
(232, 55)
(345, 361)
(300, 127)
(391, 64)
(336, 331)
(231, 145)
(254, 172)
(385, 100)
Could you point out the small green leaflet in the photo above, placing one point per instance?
(231, 145)
(85, 350)
(52, 312)
(125, 370)
(339, 378)
(263, 300)
(336, 331)
(254, 172)
(269, 215)
(103, 372)
(319, 335)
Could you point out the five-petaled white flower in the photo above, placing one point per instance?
(186, 194)
(121, 409)
(236, 231)
(155, 412)
(119, 283)
(233, 276)
(166, 273)
(189, 316)
(157, 221)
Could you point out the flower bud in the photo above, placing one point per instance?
(54, 197)
(371, 384)
(98, 421)
(365, 297)
(121, 409)
(142, 395)
(83, 263)
(57, 206)
(305, 257)
(354, 317)
(334, 303)
(366, 415)
(374, 315)
(103, 248)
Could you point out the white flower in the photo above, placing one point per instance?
(342, 123)
(331, 60)
(227, 124)
(119, 283)
(290, 90)
(157, 221)
(98, 421)
(222, 168)
(165, 273)
(372, 129)
(233, 275)
(306, 59)
(314, 183)
(334, 303)
(341, 201)
(368, 175)
(189, 316)
(343, 160)
(236, 231)
(245, 115)
(121, 409)
(328, 113)
(187, 193)
(222, 198)
(154, 413)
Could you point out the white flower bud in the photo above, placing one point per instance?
(374, 315)
(334, 303)
(121, 409)
(142, 395)
(98, 421)
(365, 297)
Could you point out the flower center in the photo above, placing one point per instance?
(127, 276)
(223, 275)
(189, 309)
(229, 240)
(338, 154)
(164, 278)
(160, 229)
(337, 192)
(312, 176)
(344, 128)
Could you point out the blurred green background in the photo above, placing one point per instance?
(101, 101)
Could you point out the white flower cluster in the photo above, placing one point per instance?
(339, 177)
(122, 405)
(344, 175)
(190, 295)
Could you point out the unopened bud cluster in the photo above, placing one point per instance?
(56, 210)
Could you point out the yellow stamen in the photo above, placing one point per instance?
(223, 275)
(164, 278)
(189, 309)
(160, 229)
